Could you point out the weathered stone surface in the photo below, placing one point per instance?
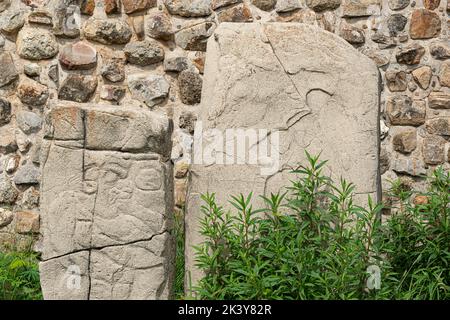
(439, 100)
(12, 163)
(411, 54)
(238, 13)
(27, 222)
(411, 166)
(28, 122)
(6, 217)
(405, 141)
(30, 198)
(11, 23)
(398, 4)
(150, 89)
(434, 150)
(77, 88)
(66, 278)
(8, 142)
(144, 53)
(440, 50)
(113, 68)
(4, 4)
(216, 4)
(32, 92)
(78, 56)
(439, 126)
(138, 23)
(424, 24)
(444, 76)
(110, 128)
(8, 193)
(107, 31)
(144, 262)
(53, 73)
(181, 169)
(396, 23)
(287, 5)
(87, 7)
(402, 110)
(41, 17)
(8, 71)
(187, 121)
(361, 8)
(5, 111)
(32, 69)
(176, 64)
(112, 6)
(422, 76)
(195, 38)
(180, 188)
(189, 8)
(35, 3)
(67, 19)
(265, 5)
(159, 26)
(352, 34)
(112, 93)
(431, 4)
(322, 5)
(198, 60)
(111, 203)
(27, 175)
(132, 6)
(289, 77)
(396, 80)
(23, 141)
(36, 44)
(190, 84)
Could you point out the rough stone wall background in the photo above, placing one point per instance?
(150, 53)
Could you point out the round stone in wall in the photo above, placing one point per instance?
(28, 122)
(144, 53)
(151, 89)
(32, 92)
(36, 44)
(189, 8)
(78, 88)
(107, 31)
(5, 111)
(265, 5)
(190, 84)
(78, 56)
(322, 5)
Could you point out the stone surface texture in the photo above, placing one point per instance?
(296, 79)
(106, 202)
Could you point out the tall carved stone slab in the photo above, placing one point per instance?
(310, 86)
(106, 204)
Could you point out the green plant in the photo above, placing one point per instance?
(178, 231)
(314, 242)
(417, 240)
(19, 276)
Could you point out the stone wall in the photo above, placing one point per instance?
(150, 54)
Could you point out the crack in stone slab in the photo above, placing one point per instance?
(107, 246)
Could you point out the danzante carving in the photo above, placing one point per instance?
(106, 204)
(309, 86)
